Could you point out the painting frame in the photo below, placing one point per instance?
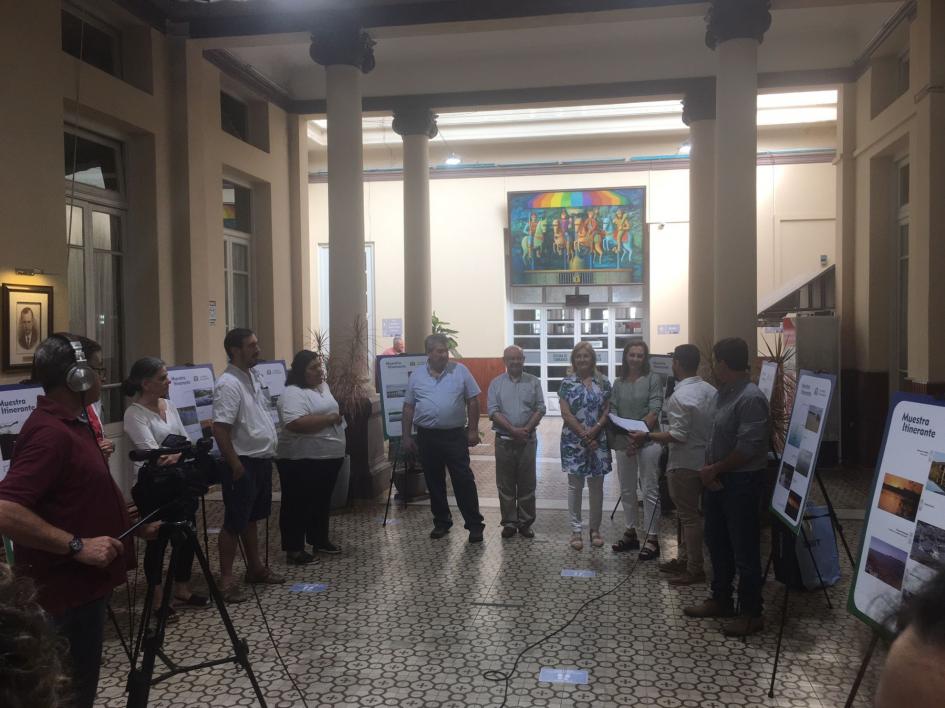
(20, 342)
(543, 267)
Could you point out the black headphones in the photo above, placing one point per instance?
(79, 377)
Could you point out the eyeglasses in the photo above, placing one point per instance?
(100, 370)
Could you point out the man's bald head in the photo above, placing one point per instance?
(514, 359)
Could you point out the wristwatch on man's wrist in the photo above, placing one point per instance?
(647, 437)
(75, 546)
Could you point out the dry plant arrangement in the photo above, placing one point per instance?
(346, 367)
(785, 388)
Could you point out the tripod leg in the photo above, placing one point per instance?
(862, 672)
(812, 560)
(390, 490)
(206, 537)
(139, 680)
(240, 648)
(777, 652)
(834, 519)
(614, 512)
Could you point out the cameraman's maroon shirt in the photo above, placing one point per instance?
(59, 474)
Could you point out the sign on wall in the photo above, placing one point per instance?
(393, 374)
(799, 459)
(191, 393)
(16, 404)
(904, 532)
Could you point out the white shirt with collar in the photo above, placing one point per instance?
(690, 411)
(239, 401)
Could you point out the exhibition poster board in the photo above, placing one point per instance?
(769, 372)
(393, 374)
(904, 531)
(16, 404)
(661, 364)
(799, 459)
(271, 375)
(191, 393)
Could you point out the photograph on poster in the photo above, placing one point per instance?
(900, 496)
(915, 578)
(793, 507)
(936, 482)
(203, 397)
(188, 416)
(886, 562)
(795, 435)
(396, 391)
(814, 415)
(804, 460)
(928, 545)
(787, 474)
(395, 416)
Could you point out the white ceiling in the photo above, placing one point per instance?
(571, 50)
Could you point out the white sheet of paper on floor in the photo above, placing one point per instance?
(553, 675)
(629, 423)
(572, 573)
(309, 587)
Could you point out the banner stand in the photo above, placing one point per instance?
(393, 472)
(862, 672)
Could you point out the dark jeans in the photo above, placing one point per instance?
(84, 627)
(447, 449)
(733, 535)
(306, 501)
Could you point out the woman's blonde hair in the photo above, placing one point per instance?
(585, 346)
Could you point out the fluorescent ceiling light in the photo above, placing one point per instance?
(793, 108)
(684, 148)
(453, 159)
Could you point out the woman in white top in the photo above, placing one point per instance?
(310, 453)
(148, 421)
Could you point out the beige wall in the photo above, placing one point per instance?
(795, 225)
(175, 157)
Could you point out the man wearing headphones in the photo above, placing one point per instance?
(63, 511)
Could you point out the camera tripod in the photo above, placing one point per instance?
(141, 679)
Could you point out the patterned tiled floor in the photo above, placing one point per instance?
(406, 621)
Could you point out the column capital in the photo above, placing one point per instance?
(339, 39)
(415, 120)
(699, 103)
(736, 19)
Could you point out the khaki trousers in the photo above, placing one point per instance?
(515, 481)
(685, 488)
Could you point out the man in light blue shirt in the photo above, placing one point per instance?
(440, 398)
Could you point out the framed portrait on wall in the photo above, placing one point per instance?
(27, 320)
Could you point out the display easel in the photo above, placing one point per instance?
(395, 443)
(838, 530)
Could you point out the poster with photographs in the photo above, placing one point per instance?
(799, 459)
(904, 531)
(766, 379)
(27, 320)
(271, 375)
(16, 404)
(393, 374)
(191, 393)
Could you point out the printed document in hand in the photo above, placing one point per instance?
(629, 424)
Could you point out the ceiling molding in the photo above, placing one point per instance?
(639, 164)
(905, 13)
(249, 78)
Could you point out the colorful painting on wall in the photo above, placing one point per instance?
(590, 236)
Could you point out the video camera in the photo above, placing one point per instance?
(182, 481)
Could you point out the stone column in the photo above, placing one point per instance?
(416, 125)
(735, 29)
(699, 115)
(346, 52)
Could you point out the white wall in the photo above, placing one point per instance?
(468, 218)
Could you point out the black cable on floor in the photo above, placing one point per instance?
(496, 675)
(272, 639)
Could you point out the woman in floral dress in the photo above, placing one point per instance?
(585, 403)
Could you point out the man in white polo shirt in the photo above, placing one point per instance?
(441, 397)
(246, 435)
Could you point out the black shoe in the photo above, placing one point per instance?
(527, 532)
(508, 531)
(439, 531)
(299, 558)
(475, 536)
(327, 547)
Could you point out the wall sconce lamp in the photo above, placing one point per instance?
(29, 271)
